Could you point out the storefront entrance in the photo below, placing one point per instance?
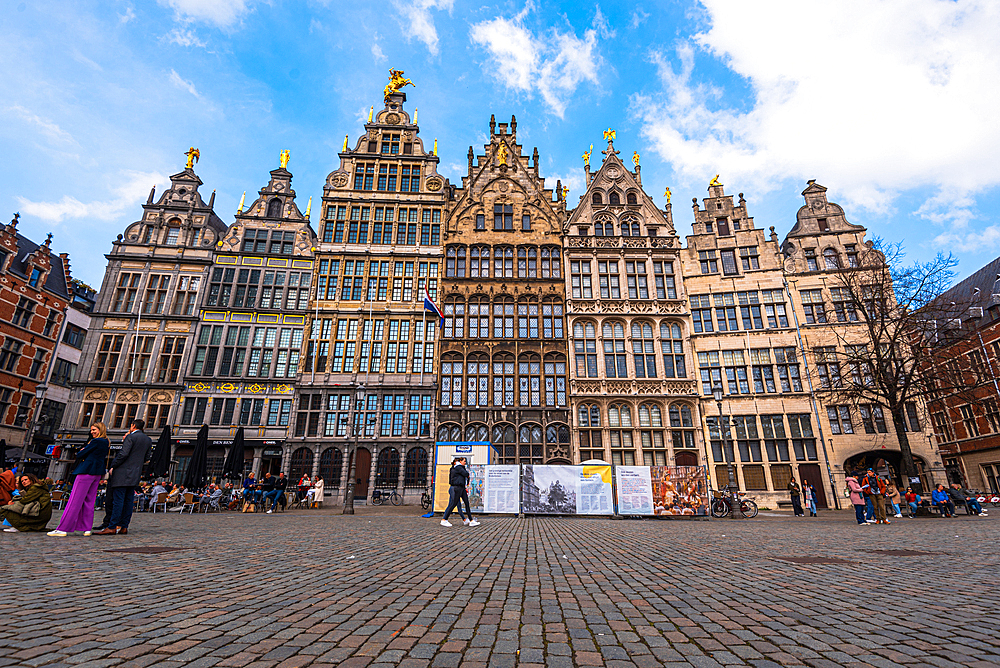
(362, 471)
(812, 473)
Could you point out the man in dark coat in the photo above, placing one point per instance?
(123, 477)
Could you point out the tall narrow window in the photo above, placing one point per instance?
(585, 348)
(643, 350)
(615, 365)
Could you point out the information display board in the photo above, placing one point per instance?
(679, 490)
(502, 489)
(634, 490)
(566, 490)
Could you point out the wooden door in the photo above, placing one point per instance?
(811, 472)
(362, 472)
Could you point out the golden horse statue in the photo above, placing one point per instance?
(396, 81)
(194, 155)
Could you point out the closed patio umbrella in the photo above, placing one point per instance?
(197, 470)
(233, 468)
(159, 461)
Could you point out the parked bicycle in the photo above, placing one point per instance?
(381, 496)
(722, 503)
(425, 500)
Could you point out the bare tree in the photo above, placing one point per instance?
(890, 318)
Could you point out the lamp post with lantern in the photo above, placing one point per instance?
(39, 393)
(735, 513)
(359, 397)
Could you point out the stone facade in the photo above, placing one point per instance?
(379, 249)
(503, 353)
(147, 311)
(633, 394)
(245, 357)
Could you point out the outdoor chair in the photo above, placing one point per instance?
(161, 500)
(210, 503)
(58, 497)
(188, 503)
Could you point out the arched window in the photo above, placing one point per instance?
(503, 262)
(301, 464)
(474, 262)
(643, 350)
(479, 318)
(452, 366)
(625, 230)
(681, 426)
(476, 432)
(598, 229)
(654, 445)
(527, 318)
(454, 318)
(274, 208)
(503, 318)
(830, 259)
(687, 458)
(530, 443)
(615, 365)
(614, 199)
(478, 368)
(673, 350)
(620, 421)
(449, 432)
(529, 378)
(631, 199)
(585, 348)
(451, 256)
(591, 447)
(330, 462)
(557, 434)
(527, 262)
(532, 262)
(552, 318)
(387, 470)
(416, 468)
(460, 263)
(596, 198)
(504, 443)
(635, 229)
(503, 380)
(551, 264)
(555, 380)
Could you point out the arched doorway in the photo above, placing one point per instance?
(888, 463)
(686, 459)
(362, 470)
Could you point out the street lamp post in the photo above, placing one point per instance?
(39, 393)
(359, 397)
(734, 501)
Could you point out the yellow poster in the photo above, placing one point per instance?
(441, 487)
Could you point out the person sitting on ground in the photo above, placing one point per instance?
(32, 509)
(941, 499)
(913, 500)
(966, 498)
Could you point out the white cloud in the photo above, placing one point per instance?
(378, 54)
(875, 98)
(553, 64)
(181, 83)
(127, 16)
(131, 191)
(47, 127)
(602, 25)
(638, 17)
(184, 37)
(416, 20)
(220, 13)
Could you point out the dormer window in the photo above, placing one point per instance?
(852, 255)
(723, 226)
(390, 144)
(36, 277)
(823, 225)
(614, 199)
(631, 199)
(597, 199)
(274, 208)
(811, 263)
(173, 233)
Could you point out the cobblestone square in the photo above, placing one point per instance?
(386, 587)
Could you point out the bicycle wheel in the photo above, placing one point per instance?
(720, 508)
(748, 508)
(377, 498)
(425, 500)
(395, 498)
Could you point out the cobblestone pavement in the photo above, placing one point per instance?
(315, 588)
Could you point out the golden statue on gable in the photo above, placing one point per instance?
(635, 158)
(586, 157)
(610, 134)
(283, 158)
(194, 155)
(396, 81)
(667, 193)
(714, 181)
(502, 154)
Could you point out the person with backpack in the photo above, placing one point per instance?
(458, 479)
(875, 493)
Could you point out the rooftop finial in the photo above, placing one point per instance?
(283, 158)
(586, 157)
(243, 199)
(435, 146)
(48, 240)
(610, 135)
(345, 144)
(371, 113)
(309, 207)
(415, 112)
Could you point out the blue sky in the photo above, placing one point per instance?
(890, 105)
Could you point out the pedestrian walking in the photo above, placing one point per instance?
(857, 497)
(874, 496)
(892, 498)
(31, 510)
(79, 512)
(809, 496)
(795, 492)
(458, 479)
(123, 477)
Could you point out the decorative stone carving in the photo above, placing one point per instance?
(607, 242)
(634, 242)
(580, 242)
(97, 395)
(339, 180)
(392, 118)
(434, 184)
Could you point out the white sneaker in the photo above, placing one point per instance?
(863, 524)
(474, 523)
(10, 530)
(445, 523)
(269, 512)
(871, 521)
(86, 533)
(898, 515)
(56, 533)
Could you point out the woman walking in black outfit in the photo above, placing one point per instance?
(458, 478)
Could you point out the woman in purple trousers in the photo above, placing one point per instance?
(79, 512)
